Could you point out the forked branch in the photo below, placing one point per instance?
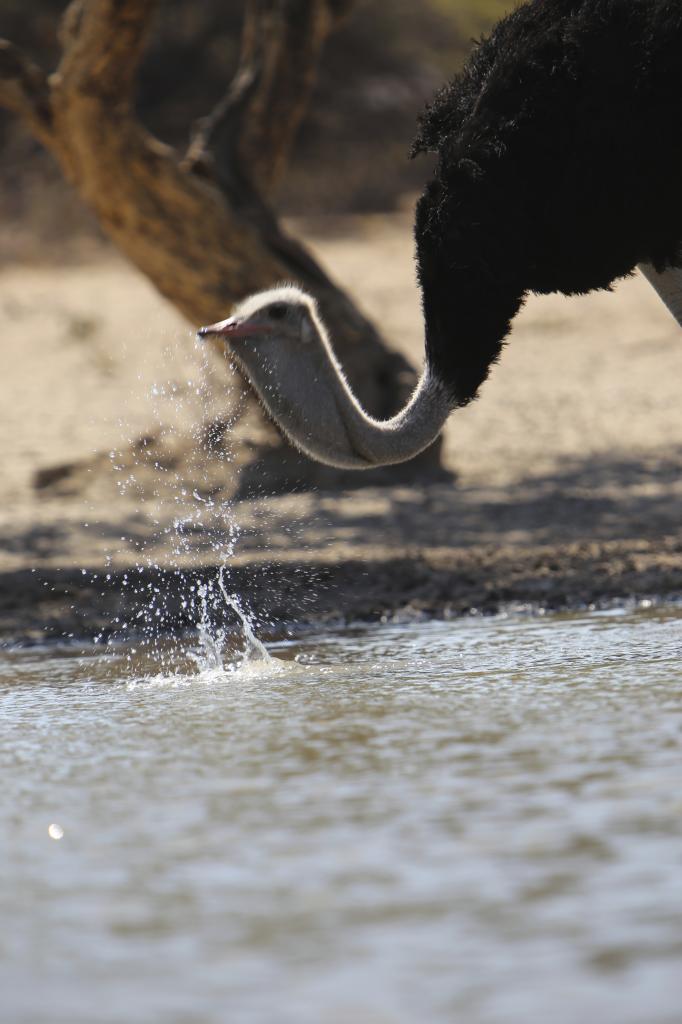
(255, 124)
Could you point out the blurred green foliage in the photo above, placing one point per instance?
(471, 16)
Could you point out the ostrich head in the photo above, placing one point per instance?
(268, 332)
(279, 341)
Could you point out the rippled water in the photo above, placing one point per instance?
(477, 821)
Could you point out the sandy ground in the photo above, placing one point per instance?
(568, 485)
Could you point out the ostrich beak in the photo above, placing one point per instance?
(233, 327)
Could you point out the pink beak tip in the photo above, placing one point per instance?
(231, 328)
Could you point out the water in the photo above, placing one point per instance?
(477, 821)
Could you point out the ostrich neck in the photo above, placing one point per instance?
(315, 407)
(385, 442)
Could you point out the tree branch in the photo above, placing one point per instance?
(102, 44)
(24, 90)
(254, 126)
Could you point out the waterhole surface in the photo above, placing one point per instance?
(477, 821)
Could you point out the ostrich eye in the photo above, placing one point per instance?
(277, 311)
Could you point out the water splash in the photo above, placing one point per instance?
(254, 649)
(172, 487)
(216, 642)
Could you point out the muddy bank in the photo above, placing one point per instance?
(285, 598)
(308, 560)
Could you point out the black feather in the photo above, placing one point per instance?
(559, 169)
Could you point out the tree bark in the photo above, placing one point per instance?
(198, 225)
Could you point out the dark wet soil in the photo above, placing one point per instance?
(304, 560)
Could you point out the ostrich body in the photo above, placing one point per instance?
(559, 168)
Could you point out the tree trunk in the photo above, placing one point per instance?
(198, 225)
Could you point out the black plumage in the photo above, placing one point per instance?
(559, 169)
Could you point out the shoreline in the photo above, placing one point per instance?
(76, 605)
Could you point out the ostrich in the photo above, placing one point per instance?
(559, 168)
